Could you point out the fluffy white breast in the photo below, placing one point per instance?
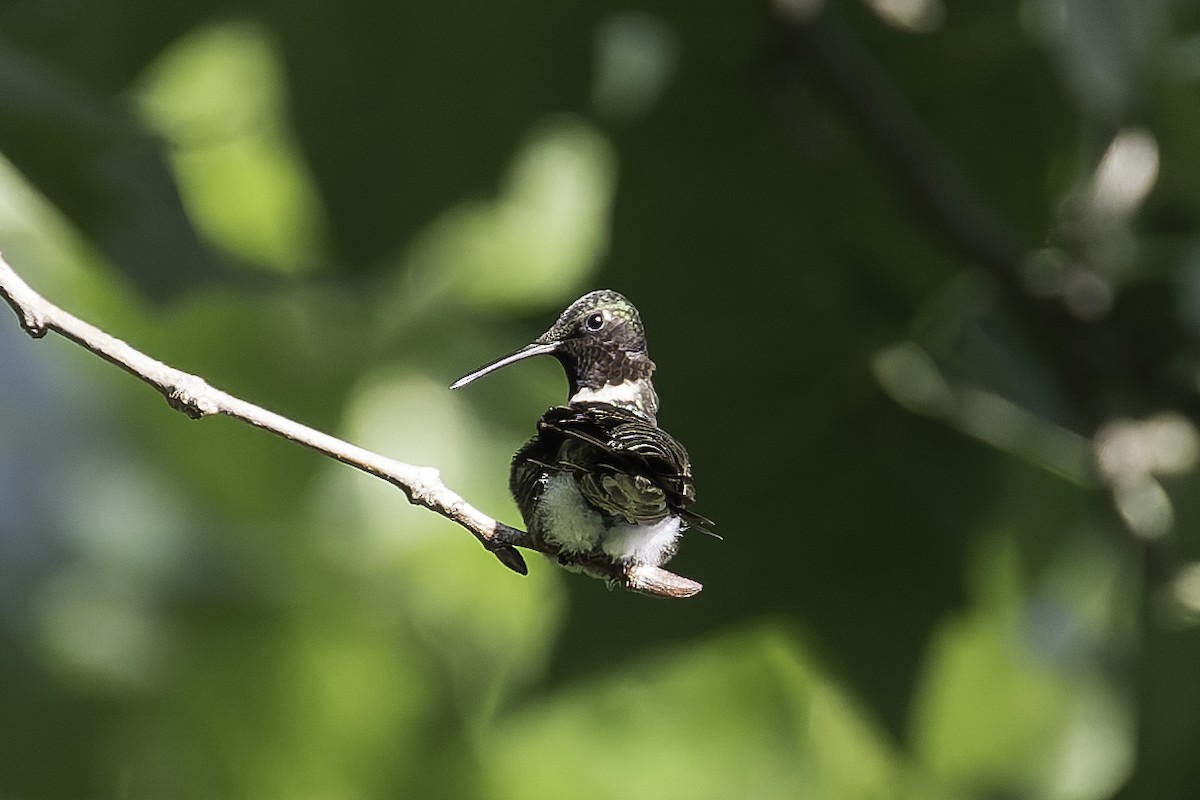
(564, 517)
(644, 544)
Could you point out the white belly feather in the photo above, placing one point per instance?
(564, 518)
(643, 544)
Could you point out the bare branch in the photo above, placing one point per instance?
(193, 396)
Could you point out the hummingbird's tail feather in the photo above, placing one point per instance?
(696, 522)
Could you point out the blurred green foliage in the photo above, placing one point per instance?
(923, 283)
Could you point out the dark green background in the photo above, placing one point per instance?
(911, 598)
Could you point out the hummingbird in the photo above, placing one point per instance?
(601, 485)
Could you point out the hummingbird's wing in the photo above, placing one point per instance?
(627, 466)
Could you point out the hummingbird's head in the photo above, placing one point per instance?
(601, 344)
(599, 340)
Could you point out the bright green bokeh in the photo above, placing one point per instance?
(218, 97)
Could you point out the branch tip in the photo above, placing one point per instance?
(648, 579)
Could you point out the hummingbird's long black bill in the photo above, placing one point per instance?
(535, 349)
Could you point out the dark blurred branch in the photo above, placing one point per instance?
(1084, 354)
(941, 194)
(1089, 356)
(195, 398)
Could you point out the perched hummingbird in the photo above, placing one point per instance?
(601, 484)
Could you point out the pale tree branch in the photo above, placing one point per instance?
(192, 395)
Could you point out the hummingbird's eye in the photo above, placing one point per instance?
(593, 322)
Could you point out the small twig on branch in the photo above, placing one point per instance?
(196, 398)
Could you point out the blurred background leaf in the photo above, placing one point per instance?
(921, 279)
